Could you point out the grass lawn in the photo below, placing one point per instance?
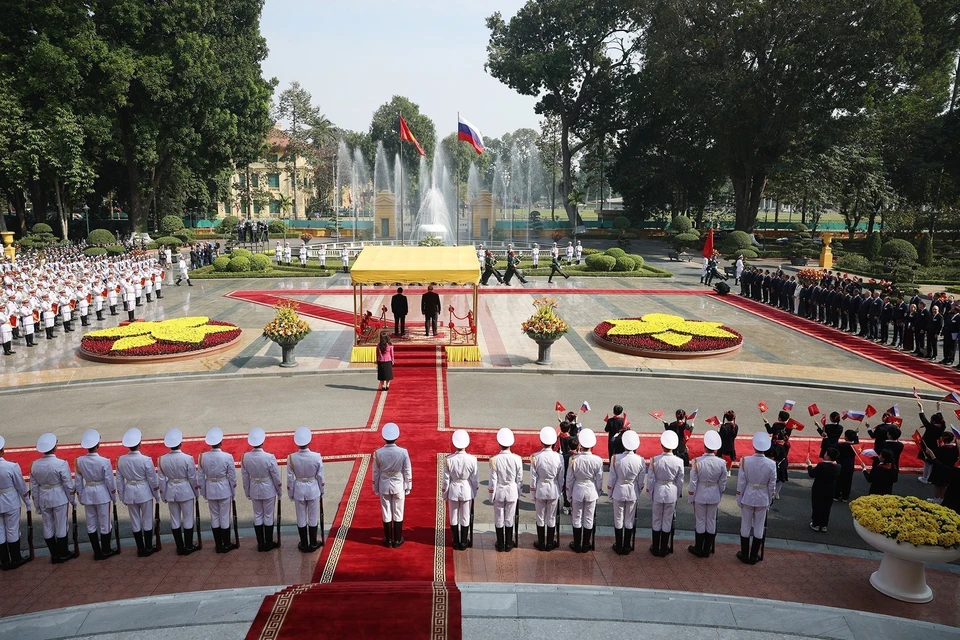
(283, 271)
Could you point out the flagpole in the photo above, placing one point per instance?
(456, 147)
(399, 115)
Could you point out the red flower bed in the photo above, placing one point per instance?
(101, 346)
(647, 342)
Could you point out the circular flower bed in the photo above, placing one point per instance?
(660, 335)
(158, 340)
(909, 520)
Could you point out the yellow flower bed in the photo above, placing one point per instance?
(192, 330)
(671, 329)
(908, 519)
(132, 342)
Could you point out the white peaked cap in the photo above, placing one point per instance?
(173, 438)
(761, 441)
(214, 436)
(461, 439)
(132, 437)
(588, 439)
(630, 440)
(256, 437)
(669, 440)
(548, 436)
(46, 442)
(391, 431)
(90, 439)
(505, 437)
(302, 436)
(711, 440)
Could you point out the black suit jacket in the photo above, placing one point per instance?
(430, 304)
(398, 304)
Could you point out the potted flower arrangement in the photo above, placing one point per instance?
(306, 237)
(809, 277)
(545, 327)
(910, 532)
(287, 329)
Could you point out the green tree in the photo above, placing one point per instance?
(871, 246)
(925, 250)
(385, 128)
(294, 106)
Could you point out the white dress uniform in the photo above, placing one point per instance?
(158, 282)
(546, 484)
(625, 483)
(459, 487)
(739, 268)
(756, 484)
(177, 478)
(578, 252)
(287, 253)
(83, 306)
(708, 480)
(52, 488)
(112, 294)
(137, 486)
(260, 474)
(535, 256)
(664, 488)
(506, 485)
(584, 482)
(97, 490)
(184, 271)
(305, 485)
(345, 259)
(217, 477)
(392, 480)
(322, 255)
(129, 296)
(26, 319)
(278, 253)
(137, 288)
(13, 491)
(303, 255)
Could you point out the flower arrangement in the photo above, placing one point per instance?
(908, 519)
(180, 335)
(545, 324)
(808, 277)
(287, 327)
(306, 237)
(663, 332)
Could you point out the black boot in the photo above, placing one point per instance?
(225, 540)
(130, 315)
(95, 545)
(105, 549)
(63, 547)
(697, 547)
(49, 331)
(113, 310)
(100, 315)
(159, 296)
(4, 557)
(16, 560)
(217, 540)
(304, 545)
(655, 544)
(508, 540)
(268, 543)
(188, 545)
(744, 554)
(149, 297)
(588, 539)
(388, 534)
(755, 555)
(551, 541)
(178, 540)
(54, 554)
(466, 540)
(141, 548)
(258, 530)
(618, 541)
(7, 349)
(314, 543)
(397, 534)
(30, 341)
(148, 541)
(499, 545)
(84, 322)
(455, 536)
(178, 281)
(666, 543)
(189, 282)
(541, 543)
(577, 543)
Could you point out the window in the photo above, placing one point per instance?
(274, 180)
(256, 208)
(274, 206)
(243, 181)
(273, 157)
(255, 181)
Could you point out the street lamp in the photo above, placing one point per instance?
(86, 216)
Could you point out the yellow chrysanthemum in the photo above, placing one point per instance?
(673, 330)
(191, 329)
(908, 519)
(132, 342)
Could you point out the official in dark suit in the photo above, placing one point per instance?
(824, 489)
(920, 324)
(934, 329)
(430, 307)
(399, 308)
(886, 315)
(855, 301)
(951, 328)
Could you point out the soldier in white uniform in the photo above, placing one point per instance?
(184, 272)
(345, 259)
(262, 485)
(322, 254)
(137, 288)
(625, 483)
(97, 490)
(129, 299)
(302, 254)
(51, 485)
(66, 311)
(578, 252)
(460, 486)
(158, 282)
(664, 488)
(546, 483)
(49, 317)
(137, 486)
(305, 488)
(278, 253)
(392, 482)
(113, 290)
(217, 477)
(13, 490)
(708, 480)
(756, 485)
(535, 255)
(584, 483)
(506, 485)
(26, 321)
(179, 489)
(6, 334)
(287, 253)
(569, 253)
(83, 306)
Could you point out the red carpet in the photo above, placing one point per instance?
(946, 378)
(560, 289)
(267, 299)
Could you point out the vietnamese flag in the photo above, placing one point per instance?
(560, 407)
(762, 406)
(918, 439)
(657, 415)
(813, 409)
(713, 421)
(406, 135)
(708, 245)
(869, 412)
(796, 425)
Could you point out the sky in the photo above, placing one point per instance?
(353, 56)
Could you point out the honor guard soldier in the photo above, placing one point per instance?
(708, 480)
(13, 490)
(130, 304)
(261, 484)
(665, 486)
(52, 487)
(137, 487)
(112, 296)
(305, 488)
(322, 255)
(217, 477)
(546, 478)
(6, 335)
(97, 490)
(392, 481)
(179, 489)
(584, 482)
(460, 486)
(756, 485)
(185, 273)
(625, 483)
(506, 485)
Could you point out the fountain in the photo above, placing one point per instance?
(434, 218)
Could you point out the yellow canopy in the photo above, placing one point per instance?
(442, 265)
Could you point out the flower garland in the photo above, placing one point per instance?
(168, 337)
(545, 324)
(287, 326)
(665, 332)
(908, 519)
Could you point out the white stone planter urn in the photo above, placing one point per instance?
(901, 574)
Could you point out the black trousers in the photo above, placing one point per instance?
(429, 321)
(949, 349)
(844, 482)
(821, 510)
(399, 325)
(932, 340)
(884, 331)
(920, 340)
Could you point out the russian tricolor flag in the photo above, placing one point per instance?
(855, 415)
(953, 397)
(470, 134)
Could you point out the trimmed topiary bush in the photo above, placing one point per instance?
(101, 236)
(591, 252)
(27, 242)
(902, 274)
(685, 241)
(854, 262)
(277, 226)
(600, 262)
(899, 251)
(871, 246)
(925, 250)
(680, 225)
(41, 228)
(153, 245)
(260, 262)
(637, 261)
(95, 251)
(185, 236)
(799, 227)
(169, 241)
(748, 254)
(116, 250)
(240, 253)
(615, 253)
(221, 263)
(624, 263)
(228, 226)
(621, 222)
(239, 265)
(169, 225)
(737, 240)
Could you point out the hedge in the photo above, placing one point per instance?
(221, 264)
(41, 227)
(259, 262)
(101, 236)
(615, 252)
(116, 250)
(637, 261)
(601, 263)
(241, 253)
(95, 251)
(624, 263)
(239, 265)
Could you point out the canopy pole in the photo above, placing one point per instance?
(476, 313)
(356, 334)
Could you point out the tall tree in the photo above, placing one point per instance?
(385, 128)
(295, 106)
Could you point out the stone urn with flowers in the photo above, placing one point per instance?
(545, 327)
(287, 329)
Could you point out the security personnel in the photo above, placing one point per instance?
(261, 484)
(392, 482)
(756, 485)
(625, 483)
(506, 485)
(305, 488)
(179, 489)
(51, 484)
(664, 487)
(546, 482)
(217, 477)
(708, 480)
(137, 487)
(584, 483)
(13, 490)
(97, 490)
(460, 486)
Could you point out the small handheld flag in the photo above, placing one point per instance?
(813, 409)
(692, 416)
(869, 412)
(823, 420)
(713, 421)
(918, 439)
(956, 432)
(788, 405)
(897, 422)
(560, 407)
(855, 415)
(656, 415)
(894, 411)
(762, 406)
(585, 407)
(796, 425)
(953, 397)
(869, 453)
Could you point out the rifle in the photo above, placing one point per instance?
(633, 538)
(516, 525)
(236, 528)
(279, 504)
(157, 545)
(116, 526)
(30, 532)
(196, 507)
(556, 537)
(763, 540)
(321, 521)
(470, 542)
(76, 541)
(673, 529)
